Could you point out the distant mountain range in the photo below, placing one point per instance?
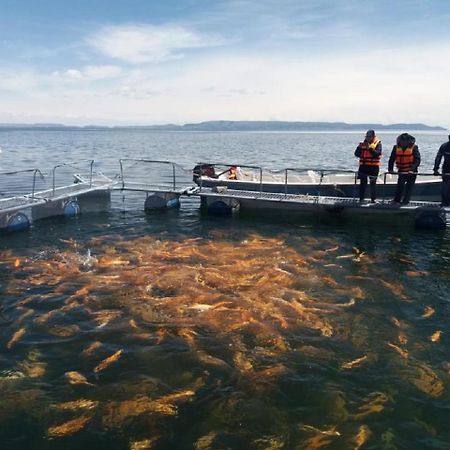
(231, 125)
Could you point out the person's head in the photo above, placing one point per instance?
(370, 136)
(402, 140)
(405, 140)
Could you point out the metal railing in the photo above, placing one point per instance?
(91, 164)
(321, 173)
(35, 172)
(149, 161)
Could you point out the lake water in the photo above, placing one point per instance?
(127, 330)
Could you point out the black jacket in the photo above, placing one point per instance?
(444, 151)
(416, 156)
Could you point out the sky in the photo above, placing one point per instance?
(139, 62)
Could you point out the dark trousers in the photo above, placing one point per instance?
(405, 185)
(446, 190)
(368, 173)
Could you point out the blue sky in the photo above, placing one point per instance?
(141, 61)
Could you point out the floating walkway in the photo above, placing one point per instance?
(223, 201)
(92, 192)
(19, 211)
(163, 183)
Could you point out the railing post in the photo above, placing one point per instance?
(90, 174)
(34, 183)
(384, 187)
(260, 181)
(286, 182)
(320, 184)
(54, 181)
(354, 185)
(121, 174)
(174, 177)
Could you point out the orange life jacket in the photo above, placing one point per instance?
(404, 159)
(233, 173)
(366, 158)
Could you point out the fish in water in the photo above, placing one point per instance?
(144, 444)
(426, 380)
(16, 337)
(363, 435)
(326, 432)
(374, 404)
(70, 427)
(90, 349)
(108, 361)
(76, 405)
(76, 378)
(355, 363)
(436, 336)
(403, 353)
(427, 312)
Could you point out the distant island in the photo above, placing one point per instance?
(232, 125)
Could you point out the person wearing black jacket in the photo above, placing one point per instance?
(369, 154)
(406, 157)
(444, 152)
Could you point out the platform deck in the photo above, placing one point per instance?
(298, 201)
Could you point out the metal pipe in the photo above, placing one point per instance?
(286, 182)
(384, 186)
(90, 174)
(260, 180)
(121, 173)
(54, 182)
(174, 179)
(65, 164)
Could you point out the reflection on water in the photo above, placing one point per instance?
(224, 337)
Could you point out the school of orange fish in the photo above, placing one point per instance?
(237, 312)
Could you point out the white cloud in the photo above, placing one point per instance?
(138, 44)
(17, 80)
(391, 85)
(73, 74)
(102, 72)
(90, 73)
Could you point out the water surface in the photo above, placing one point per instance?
(177, 331)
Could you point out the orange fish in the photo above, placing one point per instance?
(403, 353)
(355, 363)
(77, 405)
(364, 434)
(428, 312)
(76, 378)
(70, 427)
(108, 361)
(91, 348)
(16, 338)
(436, 336)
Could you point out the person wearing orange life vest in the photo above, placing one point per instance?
(232, 173)
(406, 157)
(369, 154)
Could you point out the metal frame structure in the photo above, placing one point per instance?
(321, 172)
(144, 187)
